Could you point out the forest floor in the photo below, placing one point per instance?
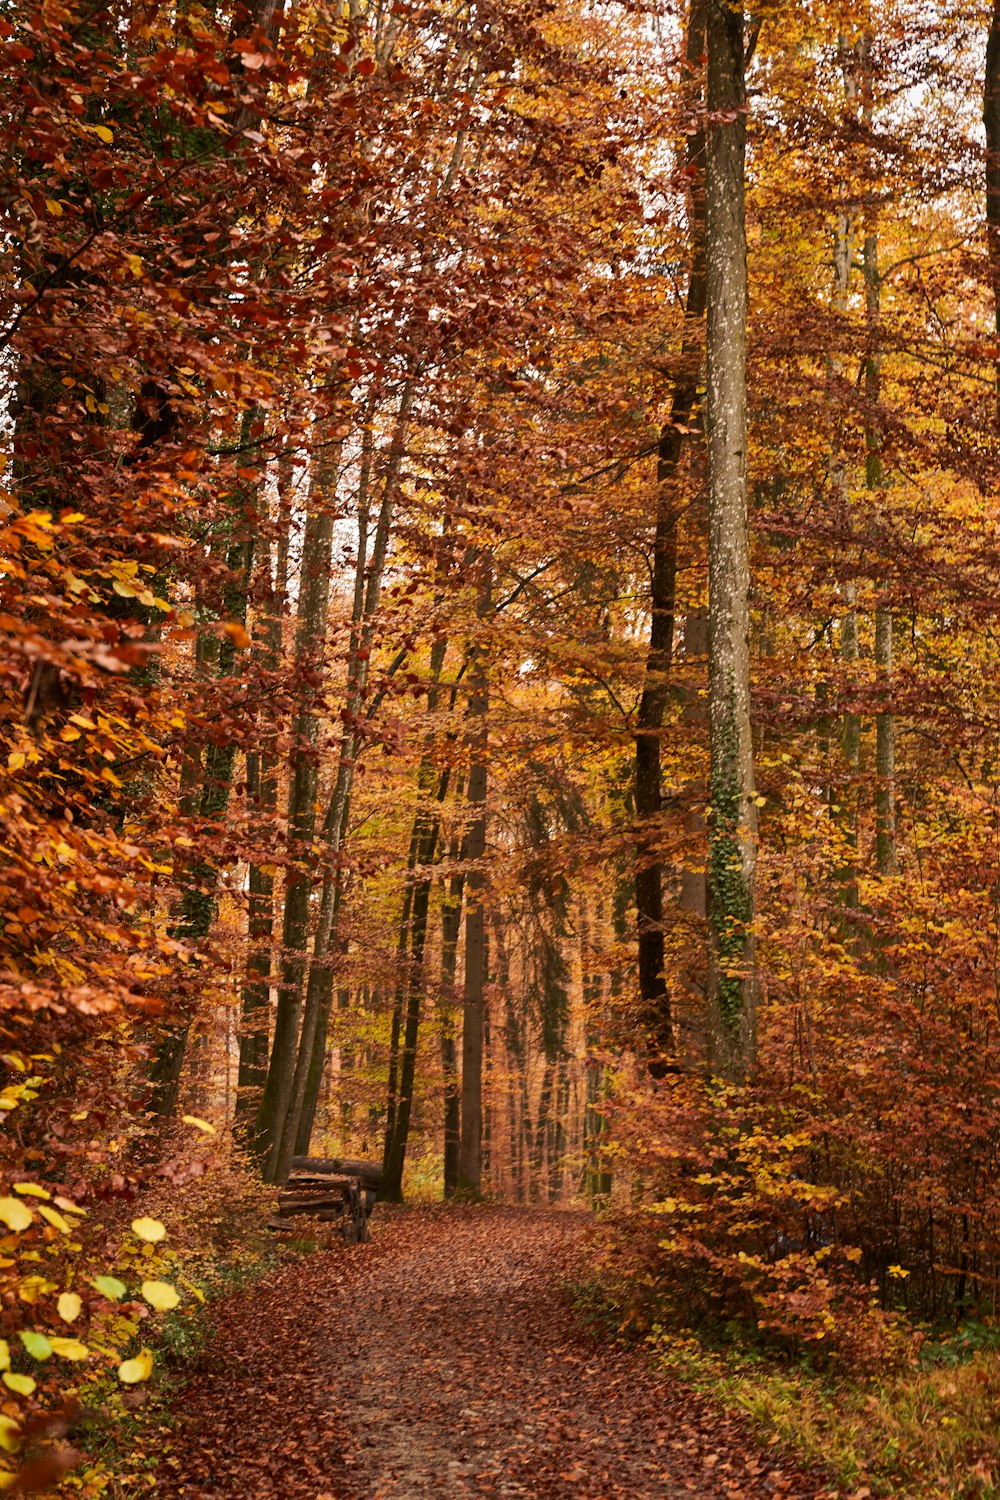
(444, 1359)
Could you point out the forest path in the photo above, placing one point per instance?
(443, 1360)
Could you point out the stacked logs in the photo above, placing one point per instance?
(330, 1190)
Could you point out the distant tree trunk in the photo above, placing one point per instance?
(885, 723)
(991, 118)
(471, 1146)
(451, 923)
(310, 646)
(733, 814)
(303, 1095)
(654, 996)
(262, 797)
(426, 828)
(209, 804)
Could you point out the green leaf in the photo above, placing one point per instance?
(36, 1344)
(110, 1286)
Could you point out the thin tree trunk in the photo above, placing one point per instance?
(885, 723)
(295, 1124)
(451, 923)
(654, 996)
(471, 1145)
(991, 118)
(314, 595)
(199, 898)
(262, 797)
(733, 814)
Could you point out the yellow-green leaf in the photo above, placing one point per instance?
(31, 1190)
(10, 1435)
(69, 1306)
(134, 1370)
(36, 1344)
(4, 1355)
(110, 1286)
(22, 1384)
(15, 1214)
(198, 1124)
(160, 1294)
(150, 1230)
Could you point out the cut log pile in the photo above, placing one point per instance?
(329, 1190)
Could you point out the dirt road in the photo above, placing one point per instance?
(443, 1360)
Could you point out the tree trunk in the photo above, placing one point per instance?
(733, 814)
(470, 1164)
(262, 796)
(310, 644)
(295, 1124)
(451, 922)
(199, 897)
(654, 996)
(991, 118)
(885, 723)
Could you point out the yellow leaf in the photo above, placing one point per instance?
(15, 1215)
(69, 1348)
(198, 1124)
(22, 1384)
(160, 1294)
(33, 1287)
(15, 760)
(854, 1254)
(31, 1190)
(103, 133)
(4, 1355)
(90, 402)
(54, 207)
(134, 1370)
(134, 264)
(10, 1435)
(150, 1230)
(69, 1306)
(55, 1219)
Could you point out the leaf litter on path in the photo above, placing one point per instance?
(443, 1360)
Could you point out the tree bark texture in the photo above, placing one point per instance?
(733, 816)
(653, 991)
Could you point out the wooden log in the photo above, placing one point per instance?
(368, 1171)
(308, 1205)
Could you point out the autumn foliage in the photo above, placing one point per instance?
(355, 532)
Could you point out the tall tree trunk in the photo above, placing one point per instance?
(423, 844)
(199, 898)
(262, 797)
(470, 1160)
(310, 646)
(733, 814)
(991, 119)
(295, 1125)
(451, 923)
(654, 996)
(885, 723)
